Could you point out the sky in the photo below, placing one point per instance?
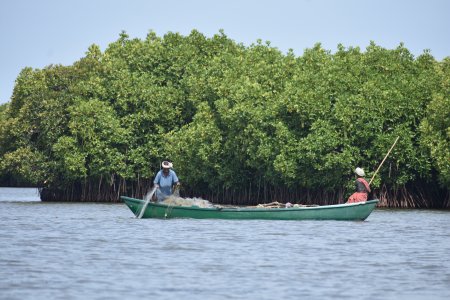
(37, 33)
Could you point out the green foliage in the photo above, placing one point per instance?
(197, 149)
(3, 109)
(95, 145)
(25, 165)
(229, 116)
(435, 127)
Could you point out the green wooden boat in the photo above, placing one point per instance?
(350, 212)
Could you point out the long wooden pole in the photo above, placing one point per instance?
(392, 147)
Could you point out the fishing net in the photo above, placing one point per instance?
(179, 201)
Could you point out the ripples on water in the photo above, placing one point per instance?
(100, 251)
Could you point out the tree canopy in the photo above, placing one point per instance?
(241, 123)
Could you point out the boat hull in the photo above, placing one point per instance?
(349, 212)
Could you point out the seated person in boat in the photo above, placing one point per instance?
(165, 181)
(362, 188)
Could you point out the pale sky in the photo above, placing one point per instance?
(37, 33)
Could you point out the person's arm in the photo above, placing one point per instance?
(176, 181)
(176, 184)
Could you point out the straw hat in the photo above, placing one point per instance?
(360, 172)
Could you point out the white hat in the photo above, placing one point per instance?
(360, 172)
(166, 164)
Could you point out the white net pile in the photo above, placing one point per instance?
(179, 201)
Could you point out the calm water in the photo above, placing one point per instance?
(100, 251)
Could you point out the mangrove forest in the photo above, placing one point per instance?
(241, 124)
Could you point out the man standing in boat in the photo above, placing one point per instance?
(362, 188)
(165, 181)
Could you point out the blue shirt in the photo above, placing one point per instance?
(166, 182)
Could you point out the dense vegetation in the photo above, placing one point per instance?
(241, 124)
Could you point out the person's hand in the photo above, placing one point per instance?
(156, 186)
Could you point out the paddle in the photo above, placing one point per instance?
(147, 198)
(392, 147)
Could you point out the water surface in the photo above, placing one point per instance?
(100, 251)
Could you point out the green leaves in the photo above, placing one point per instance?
(72, 160)
(26, 165)
(435, 127)
(229, 116)
(97, 138)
